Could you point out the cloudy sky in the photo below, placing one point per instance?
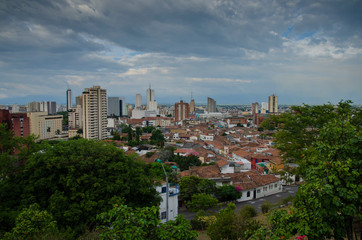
(235, 51)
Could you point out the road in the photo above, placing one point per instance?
(287, 191)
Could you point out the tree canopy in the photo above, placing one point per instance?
(75, 181)
(123, 222)
(298, 130)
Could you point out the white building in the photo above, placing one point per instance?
(94, 108)
(138, 101)
(151, 103)
(172, 201)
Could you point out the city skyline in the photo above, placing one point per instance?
(237, 52)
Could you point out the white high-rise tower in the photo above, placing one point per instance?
(151, 103)
(138, 101)
(69, 99)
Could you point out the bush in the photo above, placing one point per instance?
(248, 211)
(201, 201)
(201, 221)
(266, 206)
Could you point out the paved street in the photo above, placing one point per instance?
(287, 191)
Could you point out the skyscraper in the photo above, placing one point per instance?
(94, 108)
(254, 108)
(273, 104)
(114, 106)
(138, 101)
(33, 107)
(78, 100)
(181, 111)
(151, 103)
(69, 99)
(192, 104)
(122, 106)
(211, 105)
(49, 107)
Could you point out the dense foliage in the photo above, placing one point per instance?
(185, 162)
(123, 222)
(231, 225)
(201, 201)
(227, 193)
(75, 181)
(326, 142)
(192, 185)
(32, 223)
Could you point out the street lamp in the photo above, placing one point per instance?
(160, 161)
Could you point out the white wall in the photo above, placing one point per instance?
(262, 191)
(172, 203)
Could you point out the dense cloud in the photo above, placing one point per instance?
(235, 51)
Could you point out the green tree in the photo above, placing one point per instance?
(192, 185)
(157, 138)
(123, 222)
(138, 134)
(230, 225)
(32, 222)
(186, 162)
(333, 181)
(76, 180)
(148, 129)
(299, 129)
(331, 197)
(201, 201)
(227, 193)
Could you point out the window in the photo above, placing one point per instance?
(258, 191)
(271, 186)
(164, 189)
(163, 215)
(276, 185)
(248, 194)
(265, 189)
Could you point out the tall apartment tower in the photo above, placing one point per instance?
(78, 100)
(69, 99)
(33, 107)
(254, 108)
(138, 101)
(181, 111)
(114, 106)
(122, 107)
(49, 107)
(211, 105)
(273, 104)
(151, 103)
(192, 104)
(94, 108)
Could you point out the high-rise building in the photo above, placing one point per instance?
(181, 111)
(45, 126)
(49, 107)
(33, 107)
(254, 108)
(138, 101)
(75, 116)
(192, 104)
(114, 106)
(122, 107)
(78, 100)
(151, 103)
(264, 105)
(20, 124)
(94, 108)
(69, 99)
(273, 104)
(211, 105)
